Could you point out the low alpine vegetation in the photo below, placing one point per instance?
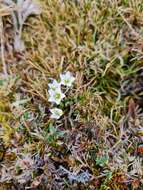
(71, 94)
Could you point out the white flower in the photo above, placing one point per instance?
(56, 113)
(67, 79)
(56, 96)
(54, 85)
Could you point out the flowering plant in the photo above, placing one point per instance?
(55, 93)
(67, 79)
(56, 96)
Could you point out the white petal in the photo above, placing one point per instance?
(68, 74)
(56, 113)
(57, 101)
(51, 99)
(72, 79)
(54, 100)
(62, 76)
(53, 116)
(51, 92)
(62, 95)
(54, 85)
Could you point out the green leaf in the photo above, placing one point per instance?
(95, 37)
(1, 82)
(102, 161)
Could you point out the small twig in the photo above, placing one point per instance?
(2, 47)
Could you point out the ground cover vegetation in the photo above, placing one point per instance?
(71, 101)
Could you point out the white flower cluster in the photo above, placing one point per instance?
(55, 93)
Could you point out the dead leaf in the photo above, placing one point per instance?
(36, 181)
(131, 108)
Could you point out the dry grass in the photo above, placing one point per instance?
(97, 144)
